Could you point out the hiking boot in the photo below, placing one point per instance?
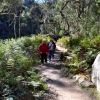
(45, 62)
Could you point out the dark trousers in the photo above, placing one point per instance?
(51, 54)
(43, 57)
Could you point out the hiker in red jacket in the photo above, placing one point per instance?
(43, 49)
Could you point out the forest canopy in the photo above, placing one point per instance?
(57, 17)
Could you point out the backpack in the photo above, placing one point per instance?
(54, 45)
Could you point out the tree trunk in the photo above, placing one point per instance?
(15, 27)
(19, 25)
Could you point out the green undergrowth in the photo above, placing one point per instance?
(18, 77)
(80, 56)
(81, 53)
(63, 41)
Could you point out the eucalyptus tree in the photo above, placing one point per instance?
(55, 16)
(69, 16)
(95, 12)
(73, 13)
(12, 9)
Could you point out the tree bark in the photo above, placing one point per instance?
(19, 25)
(15, 26)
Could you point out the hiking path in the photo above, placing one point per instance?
(63, 87)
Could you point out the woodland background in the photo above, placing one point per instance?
(73, 24)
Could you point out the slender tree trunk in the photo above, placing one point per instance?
(15, 16)
(15, 26)
(68, 27)
(19, 25)
(32, 27)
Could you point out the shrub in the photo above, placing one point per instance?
(63, 41)
(17, 67)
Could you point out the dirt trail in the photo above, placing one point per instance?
(66, 88)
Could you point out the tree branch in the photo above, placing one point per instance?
(64, 5)
(63, 16)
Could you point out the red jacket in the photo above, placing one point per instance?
(43, 47)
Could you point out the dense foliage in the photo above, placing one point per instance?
(18, 78)
(58, 17)
(81, 53)
(77, 19)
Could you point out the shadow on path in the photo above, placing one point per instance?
(65, 88)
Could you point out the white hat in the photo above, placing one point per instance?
(44, 40)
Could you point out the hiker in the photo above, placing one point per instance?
(43, 50)
(52, 47)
